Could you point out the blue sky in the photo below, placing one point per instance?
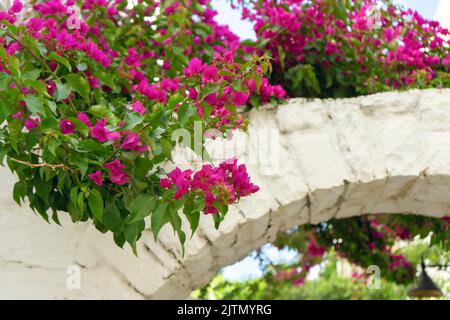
(248, 268)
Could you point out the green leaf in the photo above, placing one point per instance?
(79, 84)
(52, 106)
(35, 104)
(185, 112)
(30, 139)
(174, 100)
(111, 217)
(311, 79)
(141, 207)
(62, 176)
(217, 220)
(49, 123)
(63, 90)
(177, 224)
(4, 80)
(14, 65)
(159, 218)
(90, 145)
(119, 239)
(3, 55)
(132, 119)
(31, 75)
(199, 204)
(102, 111)
(20, 191)
(32, 44)
(142, 166)
(81, 162)
(193, 218)
(95, 202)
(15, 131)
(55, 217)
(133, 232)
(80, 202)
(61, 60)
(106, 79)
(282, 56)
(37, 85)
(74, 194)
(43, 188)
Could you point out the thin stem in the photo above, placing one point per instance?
(44, 164)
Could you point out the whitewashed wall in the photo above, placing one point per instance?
(386, 153)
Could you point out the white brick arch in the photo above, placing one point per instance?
(385, 153)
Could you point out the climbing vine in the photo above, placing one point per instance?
(91, 92)
(347, 48)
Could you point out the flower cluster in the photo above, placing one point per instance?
(324, 48)
(400, 269)
(363, 241)
(100, 86)
(331, 49)
(218, 186)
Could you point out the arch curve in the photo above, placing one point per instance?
(313, 159)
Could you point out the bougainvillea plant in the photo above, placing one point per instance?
(91, 92)
(363, 241)
(343, 48)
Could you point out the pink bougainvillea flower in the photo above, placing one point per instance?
(194, 67)
(51, 87)
(94, 83)
(172, 8)
(133, 142)
(314, 249)
(116, 173)
(133, 58)
(182, 180)
(150, 91)
(96, 177)
(168, 84)
(17, 115)
(223, 184)
(13, 48)
(34, 26)
(209, 73)
(119, 177)
(138, 107)
(298, 282)
(16, 7)
(115, 165)
(239, 98)
(66, 126)
(193, 94)
(32, 123)
(83, 117)
(165, 183)
(113, 136)
(100, 133)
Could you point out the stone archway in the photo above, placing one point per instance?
(385, 153)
